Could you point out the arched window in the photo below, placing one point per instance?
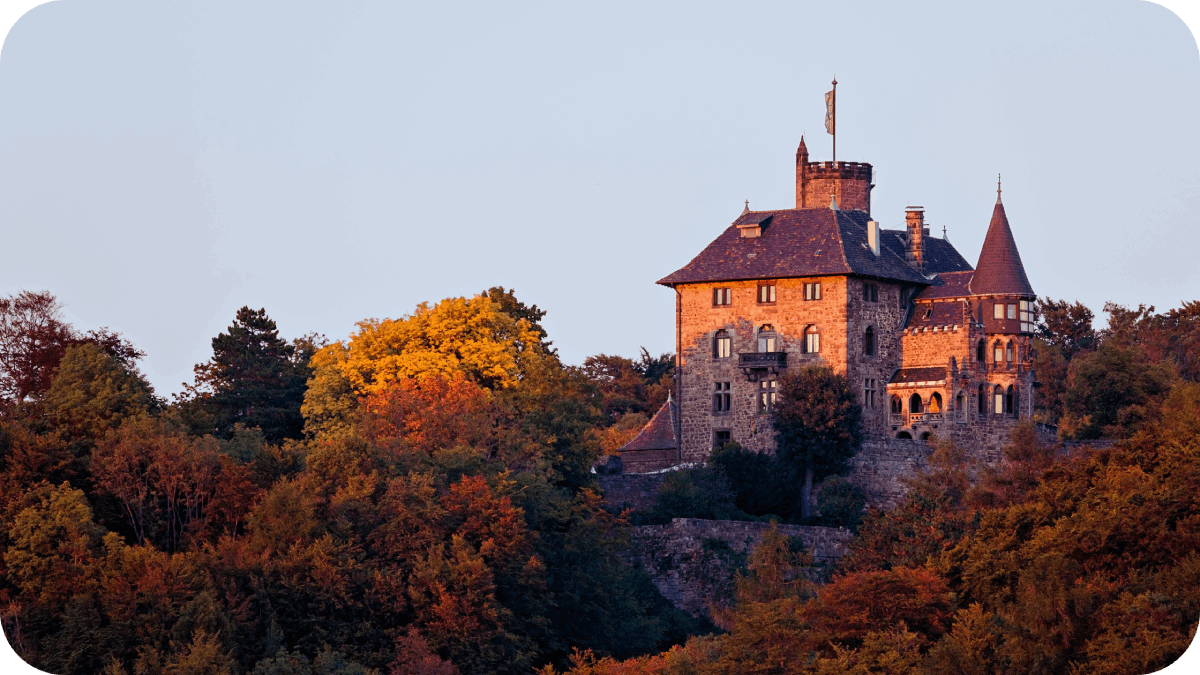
(897, 405)
(983, 397)
(998, 395)
(998, 353)
(960, 405)
(1010, 400)
(766, 338)
(812, 340)
(1008, 353)
(869, 341)
(722, 344)
(914, 403)
(981, 352)
(935, 402)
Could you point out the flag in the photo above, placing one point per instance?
(829, 111)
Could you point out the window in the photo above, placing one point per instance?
(981, 352)
(766, 292)
(982, 400)
(721, 397)
(722, 296)
(722, 345)
(1008, 353)
(897, 406)
(1010, 400)
(721, 438)
(1028, 316)
(812, 291)
(869, 393)
(870, 293)
(869, 341)
(766, 395)
(812, 340)
(960, 405)
(1016, 401)
(1012, 311)
(998, 310)
(766, 338)
(999, 396)
(935, 403)
(998, 354)
(914, 403)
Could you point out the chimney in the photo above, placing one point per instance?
(914, 217)
(873, 236)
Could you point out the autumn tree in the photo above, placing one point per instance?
(1108, 392)
(254, 378)
(93, 392)
(818, 426)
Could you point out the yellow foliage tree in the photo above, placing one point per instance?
(472, 336)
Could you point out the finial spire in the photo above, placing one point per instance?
(997, 188)
(747, 209)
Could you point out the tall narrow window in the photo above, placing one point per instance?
(766, 292)
(722, 345)
(1012, 311)
(766, 395)
(767, 338)
(981, 352)
(897, 405)
(914, 403)
(869, 341)
(998, 310)
(869, 393)
(998, 354)
(812, 340)
(721, 397)
(935, 403)
(1008, 353)
(722, 296)
(870, 292)
(999, 395)
(1010, 401)
(982, 400)
(960, 405)
(1016, 401)
(812, 291)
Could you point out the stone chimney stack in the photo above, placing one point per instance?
(914, 217)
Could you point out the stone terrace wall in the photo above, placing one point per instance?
(692, 562)
(630, 491)
(882, 465)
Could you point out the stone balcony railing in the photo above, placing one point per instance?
(753, 363)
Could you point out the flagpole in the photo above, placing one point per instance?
(835, 119)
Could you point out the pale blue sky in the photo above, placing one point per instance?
(162, 164)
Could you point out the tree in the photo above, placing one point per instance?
(818, 425)
(1067, 326)
(509, 304)
(93, 392)
(1108, 392)
(254, 378)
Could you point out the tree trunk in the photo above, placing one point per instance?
(806, 493)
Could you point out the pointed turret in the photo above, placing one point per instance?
(802, 151)
(1000, 270)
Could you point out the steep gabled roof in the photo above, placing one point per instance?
(797, 243)
(948, 285)
(659, 432)
(940, 255)
(1000, 270)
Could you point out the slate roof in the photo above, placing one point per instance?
(658, 434)
(1000, 270)
(940, 255)
(937, 314)
(949, 285)
(803, 243)
(914, 375)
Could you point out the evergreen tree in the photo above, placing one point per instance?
(255, 379)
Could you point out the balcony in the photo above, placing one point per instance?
(757, 364)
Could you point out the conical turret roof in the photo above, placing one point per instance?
(1000, 270)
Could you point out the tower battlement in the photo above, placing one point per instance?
(849, 183)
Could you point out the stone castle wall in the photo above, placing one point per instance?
(693, 562)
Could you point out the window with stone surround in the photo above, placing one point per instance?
(981, 352)
(721, 437)
(721, 397)
(870, 292)
(766, 292)
(812, 291)
(1010, 401)
(960, 405)
(766, 395)
(935, 403)
(722, 297)
(869, 341)
(1008, 353)
(812, 340)
(869, 392)
(914, 403)
(982, 400)
(768, 341)
(897, 405)
(998, 394)
(998, 310)
(722, 344)
(998, 353)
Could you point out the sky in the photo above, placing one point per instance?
(163, 164)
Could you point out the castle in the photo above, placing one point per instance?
(933, 345)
